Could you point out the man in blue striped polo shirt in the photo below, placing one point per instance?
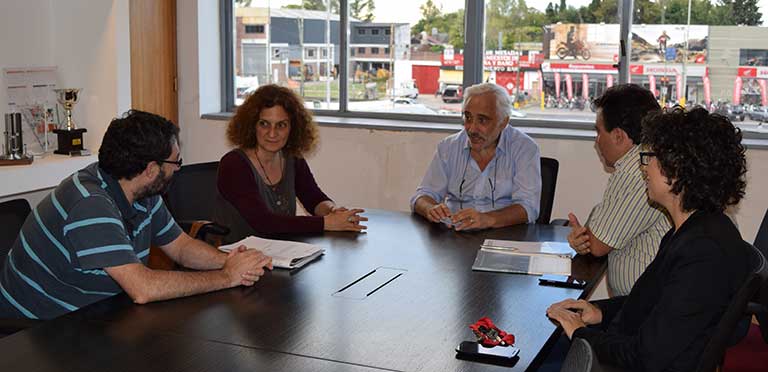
(89, 239)
(625, 225)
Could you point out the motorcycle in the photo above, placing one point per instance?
(577, 49)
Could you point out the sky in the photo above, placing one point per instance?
(408, 10)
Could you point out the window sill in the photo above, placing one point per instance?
(536, 128)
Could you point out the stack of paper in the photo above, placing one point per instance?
(285, 254)
(524, 257)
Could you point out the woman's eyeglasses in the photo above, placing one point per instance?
(645, 157)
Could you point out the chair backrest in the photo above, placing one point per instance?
(580, 358)
(192, 194)
(549, 169)
(734, 313)
(12, 216)
(761, 240)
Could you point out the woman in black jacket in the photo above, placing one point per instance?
(695, 167)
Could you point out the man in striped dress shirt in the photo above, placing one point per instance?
(625, 225)
(89, 239)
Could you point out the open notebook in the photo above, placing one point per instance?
(524, 257)
(285, 254)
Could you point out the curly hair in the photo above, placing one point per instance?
(624, 106)
(241, 131)
(701, 154)
(133, 141)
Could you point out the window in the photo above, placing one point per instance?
(705, 62)
(551, 60)
(254, 29)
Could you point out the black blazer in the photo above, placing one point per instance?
(670, 314)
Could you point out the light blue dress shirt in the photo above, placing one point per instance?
(512, 177)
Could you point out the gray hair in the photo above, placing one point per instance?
(503, 104)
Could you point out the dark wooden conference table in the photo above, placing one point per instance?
(298, 320)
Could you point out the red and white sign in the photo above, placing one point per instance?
(591, 68)
(753, 72)
(668, 70)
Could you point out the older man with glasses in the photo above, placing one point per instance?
(89, 238)
(485, 176)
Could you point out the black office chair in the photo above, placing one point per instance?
(549, 169)
(580, 358)
(13, 213)
(759, 304)
(714, 352)
(191, 199)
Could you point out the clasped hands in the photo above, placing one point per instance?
(344, 219)
(574, 314)
(465, 219)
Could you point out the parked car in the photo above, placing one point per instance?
(404, 101)
(453, 93)
(733, 112)
(758, 113)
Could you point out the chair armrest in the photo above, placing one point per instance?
(207, 231)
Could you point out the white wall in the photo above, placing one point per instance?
(380, 169)
(88, 40)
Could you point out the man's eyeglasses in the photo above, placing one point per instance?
(177, 162)
(645, 157)
(491, 183)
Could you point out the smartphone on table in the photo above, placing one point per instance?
(562, 281)
(472, 350)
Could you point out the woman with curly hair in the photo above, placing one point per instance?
(261, 178)
(695, 167)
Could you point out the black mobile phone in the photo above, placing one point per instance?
(562, 281)
(472, 350)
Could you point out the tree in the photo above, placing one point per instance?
(318, 5)
(356, 8)
(746, 12)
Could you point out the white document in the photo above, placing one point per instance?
(508, 261)
(285, 254)
(546, 248)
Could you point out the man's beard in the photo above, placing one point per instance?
(158, 187)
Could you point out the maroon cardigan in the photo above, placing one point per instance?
(237, 185)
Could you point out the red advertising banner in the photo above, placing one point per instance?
(753, 72)
(737, 90)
